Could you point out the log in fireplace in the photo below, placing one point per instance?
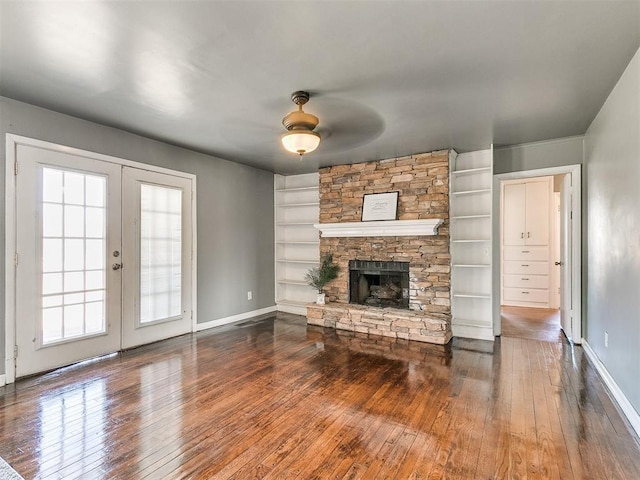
(379, 284)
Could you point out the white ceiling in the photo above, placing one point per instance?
(387, 78)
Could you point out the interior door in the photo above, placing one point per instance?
(156, 261)
(68, 299)
(566, 307)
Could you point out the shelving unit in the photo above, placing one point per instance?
(297, 243)
(471, 186)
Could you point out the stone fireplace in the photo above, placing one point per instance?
(419, 308)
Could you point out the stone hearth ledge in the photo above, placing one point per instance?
(388, 322)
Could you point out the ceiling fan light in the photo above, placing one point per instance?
(300, 141)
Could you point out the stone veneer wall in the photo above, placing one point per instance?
(423, 184)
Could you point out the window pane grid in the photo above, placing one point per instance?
(73, 211)
(160, 253)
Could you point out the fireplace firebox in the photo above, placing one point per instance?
(379, 284)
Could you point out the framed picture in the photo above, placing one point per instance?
(379, 206)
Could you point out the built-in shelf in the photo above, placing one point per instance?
(471, 323)
(292, 282)
(297, 189)
(470, 211)
(471, 171)
(472, 240)
(472, 192)
(468, 217)
(309, 204)
(289, 260)
(298, 303)
(297, 206)
(295, 224)
(471, 295)
(471, 265)
(286, 242)
(390, 228)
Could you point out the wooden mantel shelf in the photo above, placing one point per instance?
(389, 228)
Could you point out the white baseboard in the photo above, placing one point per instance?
(618, 395)
(3, 380)
(234, 318)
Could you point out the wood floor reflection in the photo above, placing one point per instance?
(275, 399)
(531, 323)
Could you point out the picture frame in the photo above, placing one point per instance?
(379, 206)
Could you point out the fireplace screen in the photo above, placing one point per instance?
(379, 284)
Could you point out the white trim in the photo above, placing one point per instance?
(293, 309)
(12, 142)
(390, 228)
(79, 152)
(234, 318)
(472, 331)
(616, 392)
(540, 142)
(3, 380)
(576, 246)
(9, 262)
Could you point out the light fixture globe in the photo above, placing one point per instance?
(300, 137)
(300, 141)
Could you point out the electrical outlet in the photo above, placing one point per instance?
(606, 339)
(249, 295)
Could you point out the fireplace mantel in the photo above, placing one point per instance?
(387, 228)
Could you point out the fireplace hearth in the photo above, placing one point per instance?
(379, 284)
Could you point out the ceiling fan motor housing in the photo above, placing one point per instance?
(299, 120)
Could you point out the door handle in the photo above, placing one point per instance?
(558, 263)
(116, 266)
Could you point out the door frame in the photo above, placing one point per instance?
(574, 172)
(11, 167)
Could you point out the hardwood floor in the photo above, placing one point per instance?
(275, 399)
(531, 323)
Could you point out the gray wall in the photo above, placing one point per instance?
(612, 161)
(234, 203)
(530, 156)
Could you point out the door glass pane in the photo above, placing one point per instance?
(72, 262)
(160, 253)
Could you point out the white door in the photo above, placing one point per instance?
(566, 266)
(103, 257)
(513, 224)
(156, 256)
(68, 299)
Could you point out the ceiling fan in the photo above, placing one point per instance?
(300, 137)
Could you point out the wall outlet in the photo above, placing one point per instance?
(249, 295)
(606, 339)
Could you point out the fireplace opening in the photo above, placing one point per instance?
(379, 284)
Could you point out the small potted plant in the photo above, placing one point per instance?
(318, 277)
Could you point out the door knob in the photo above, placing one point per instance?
(558, 263)
(116, 266)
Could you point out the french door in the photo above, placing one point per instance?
(103, 257)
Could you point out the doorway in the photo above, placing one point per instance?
(103, 255)
(538, 243)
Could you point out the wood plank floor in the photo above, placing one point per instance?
(531, 323)
(275, 399)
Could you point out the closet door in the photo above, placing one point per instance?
(513, 226)
(537, 208)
